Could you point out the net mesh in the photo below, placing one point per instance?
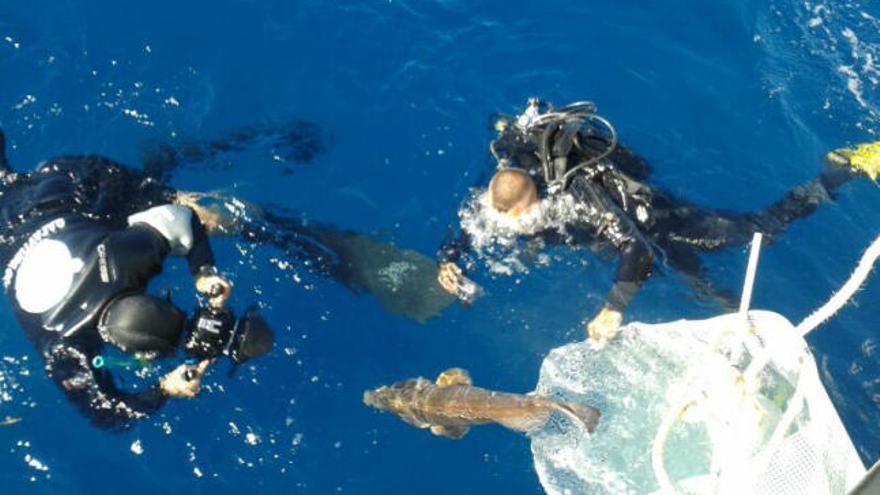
(725, 405)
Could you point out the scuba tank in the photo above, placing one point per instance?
(561, 143)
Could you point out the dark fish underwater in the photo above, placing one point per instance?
(451, 405)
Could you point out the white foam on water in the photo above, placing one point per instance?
(501, 242)
(825, 53)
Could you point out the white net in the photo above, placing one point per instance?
(725, 405)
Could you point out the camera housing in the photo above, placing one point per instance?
(216, 331)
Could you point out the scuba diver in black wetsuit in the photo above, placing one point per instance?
(82, 235)
(81, 238)
(572, 154)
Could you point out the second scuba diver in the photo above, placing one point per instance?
(563, 178)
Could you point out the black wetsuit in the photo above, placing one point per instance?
(622, 210)
(75, 210)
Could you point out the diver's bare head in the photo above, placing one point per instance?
(512, 192)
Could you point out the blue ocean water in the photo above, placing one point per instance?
(732, 102)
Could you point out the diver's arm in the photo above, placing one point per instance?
(636, 257)
(200, 254)
(449, 273)
(634, 267)
(456, 245)
(451, 276)
(182, 229)
(94, 392)
(201, 264)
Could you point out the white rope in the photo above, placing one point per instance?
(761, 359)
(674, 415)
(659, 446)
(749, 283)
(846, 292)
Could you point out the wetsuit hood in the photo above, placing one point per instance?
(142, 323)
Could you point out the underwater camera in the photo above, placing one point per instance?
(214, 331)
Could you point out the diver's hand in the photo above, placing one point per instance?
(605, 325)
(453, 281)
(450, 277)
(185, 381)
(215, 286)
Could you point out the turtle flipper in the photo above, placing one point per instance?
(454, 432)
(453, 376)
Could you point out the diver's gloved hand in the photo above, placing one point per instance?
(863, 158)
(185, 381)
(452, 279)
(214, 285)
(605, 325)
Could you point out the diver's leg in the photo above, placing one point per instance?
(800, 202)
(709, 229)
(683, 229)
